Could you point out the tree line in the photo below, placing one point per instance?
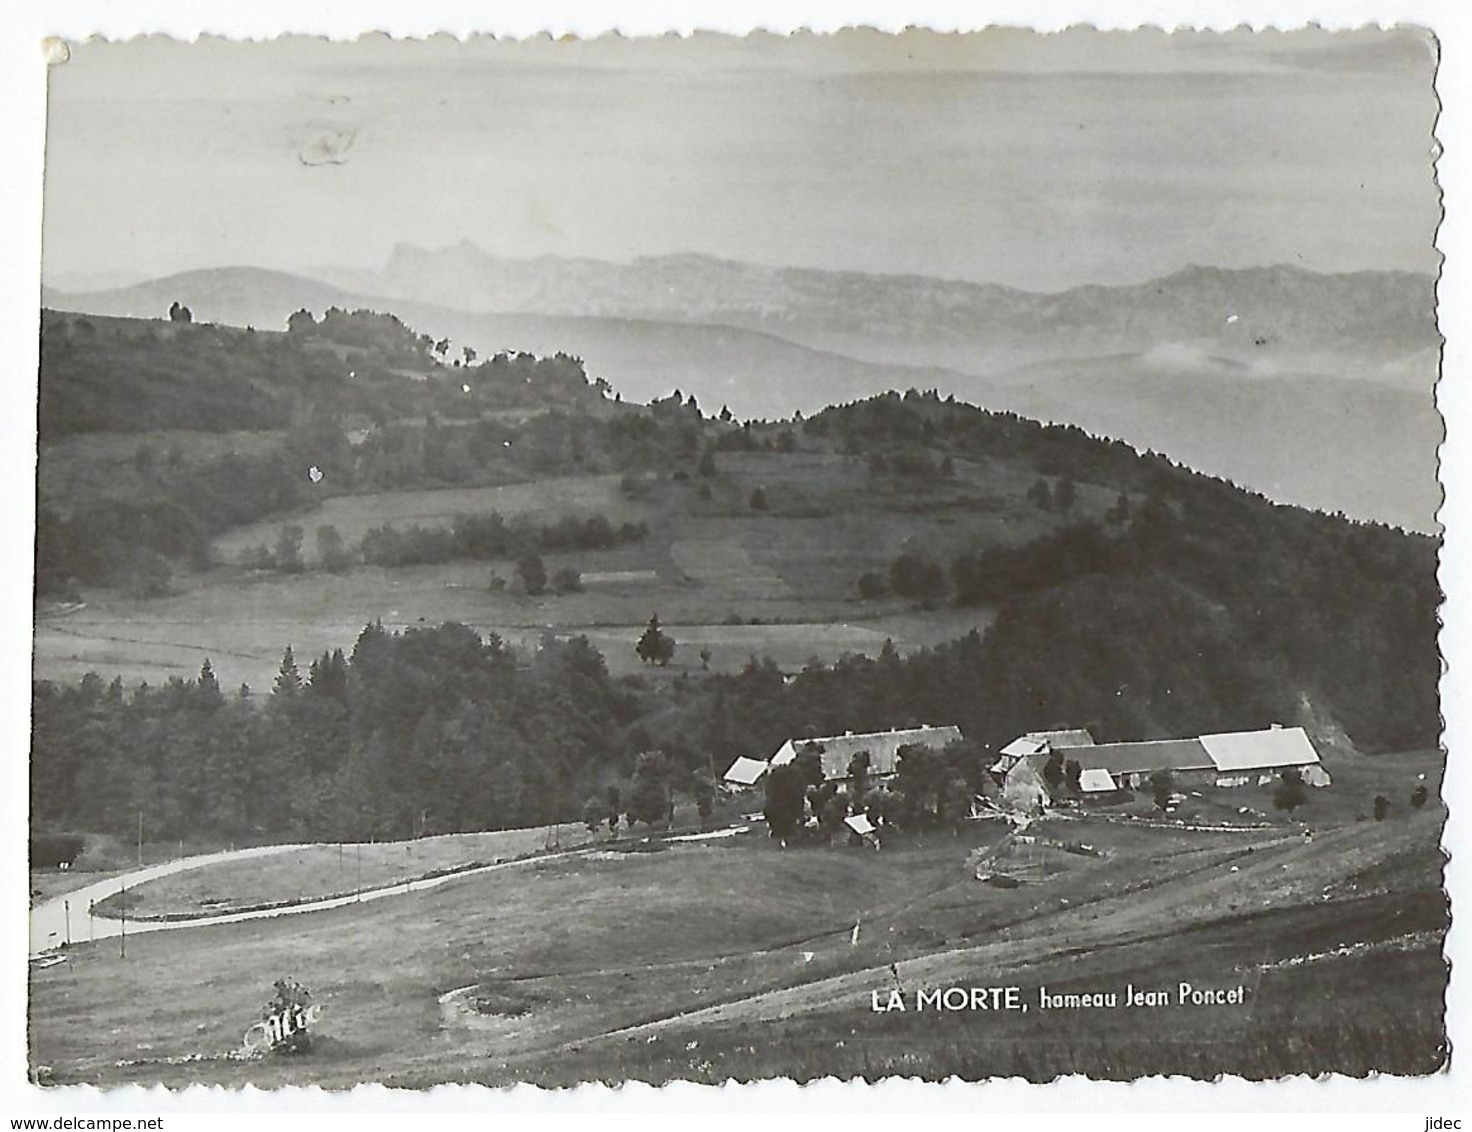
(475, 537)
(425, 730)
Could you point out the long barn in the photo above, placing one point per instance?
(1234, 758)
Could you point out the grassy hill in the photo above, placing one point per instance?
(1175, 364)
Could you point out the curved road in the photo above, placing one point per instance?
(49, 919)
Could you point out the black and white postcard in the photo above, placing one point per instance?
(859, 554)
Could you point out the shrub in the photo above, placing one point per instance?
(1290, 793)
(48, 850)
(1162, 785)
(532, 572)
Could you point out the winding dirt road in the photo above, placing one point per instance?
(62, 916)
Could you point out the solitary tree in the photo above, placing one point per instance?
(532, 571)
(1419, 796)
(593, 813)
(1162, 786)
(178, 312)
(331, 549)
(758, 499)
(1382, 807)
(703, 790)
(785, 801)
(649, 791)
(655, 646)
(831, 815)
(288, 677)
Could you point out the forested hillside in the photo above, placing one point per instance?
(351, 402)
(1184, 606)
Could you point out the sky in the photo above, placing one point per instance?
(1040, 162)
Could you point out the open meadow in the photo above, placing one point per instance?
(735, 958)
(779, 583)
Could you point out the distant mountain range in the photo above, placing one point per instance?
(1314, 389)
(1258, 313)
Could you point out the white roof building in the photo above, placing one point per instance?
(1096, 780)
(1242, 752)
(745, 772)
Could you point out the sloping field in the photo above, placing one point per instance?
(242, 623)
(615, 964)
(725, 564)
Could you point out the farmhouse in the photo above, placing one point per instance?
(1039, 743)
(1231, 759)
(837, 751)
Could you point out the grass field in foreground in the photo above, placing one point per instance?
(610, 964)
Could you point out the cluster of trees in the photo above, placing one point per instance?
(439, 729)
(118, 541)
(480, 537)
(428, 730)
(490, 536)
(930, 789)
(114, 376)
(651, 795)
(381, 334)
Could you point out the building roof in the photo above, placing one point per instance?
(883, 747)
(1023, 746)
(745, 772)
(1145, 757)
(1037, 741)
(1096, 780)
(1073, 737)
(1260, 750)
